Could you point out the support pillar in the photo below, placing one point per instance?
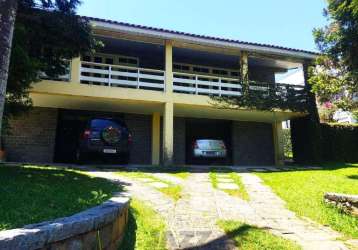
(168, 129)
(244, 66)
(75, 70)
(156, 138)
(278, 143)
(168, 66)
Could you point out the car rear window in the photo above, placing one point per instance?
(104, 123)
(210, 143)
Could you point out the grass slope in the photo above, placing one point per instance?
(35, 194)
(303, 191)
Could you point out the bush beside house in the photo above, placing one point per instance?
(340, 142)
(333, 142)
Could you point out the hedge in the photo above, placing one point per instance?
(306, 140)
(321, 142)
(339, 142)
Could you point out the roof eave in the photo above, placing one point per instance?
(209, 41)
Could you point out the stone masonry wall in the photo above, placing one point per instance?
(32, 136)
(179, 140)
(105, 223)
(141, 128)
(252, 143)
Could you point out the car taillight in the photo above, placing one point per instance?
(130, 138)
(86, 134)
(195, 145)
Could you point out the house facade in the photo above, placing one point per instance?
(161, 83)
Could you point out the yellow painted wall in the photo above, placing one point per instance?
(74, 95)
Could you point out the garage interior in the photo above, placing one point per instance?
(207, 129)
(70, 124)
(246, 142)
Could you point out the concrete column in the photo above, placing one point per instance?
(244, 70)
(244, 66)
(168, 128)
(155, 138)
(75, 70)
(278, 143)
(168, 66)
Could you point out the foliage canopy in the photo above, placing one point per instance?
(335, 78)
(47, 34)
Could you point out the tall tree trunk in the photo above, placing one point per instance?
(8, 10)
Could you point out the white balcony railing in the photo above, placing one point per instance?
(121, 76)
(206, 85)
(142, 78)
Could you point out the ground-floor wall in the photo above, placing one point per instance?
(141, 130)
(33, 139)
(32, 136)
(252, 143)
(179, 140)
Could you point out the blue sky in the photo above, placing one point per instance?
(286, 23)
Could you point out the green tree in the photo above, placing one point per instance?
(335, 78)
(47, 34)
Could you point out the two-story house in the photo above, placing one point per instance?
(160, 82)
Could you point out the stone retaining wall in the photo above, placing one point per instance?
(104, 224)
(346, 202)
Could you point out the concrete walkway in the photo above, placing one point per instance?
(192, 220)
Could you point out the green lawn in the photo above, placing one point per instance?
(253, 238)
(173, 191)
(145, 229)
(34, 194)
(240, 192)
(303, 191)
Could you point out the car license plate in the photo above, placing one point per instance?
(109, 151)
(210, 153)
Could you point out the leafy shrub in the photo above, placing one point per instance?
(287, 145)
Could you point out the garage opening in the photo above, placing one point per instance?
(70, 125)
(199, 129)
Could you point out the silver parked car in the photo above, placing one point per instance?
(209, 148)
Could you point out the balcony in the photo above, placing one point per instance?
(151, 79)
(121, 76)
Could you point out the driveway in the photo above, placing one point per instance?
(192, 219)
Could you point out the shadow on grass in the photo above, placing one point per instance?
(225, 240)
(129, 239)
(244, 236)
(354, 177)
(35, 194)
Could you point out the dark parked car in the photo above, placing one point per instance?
(104, 137)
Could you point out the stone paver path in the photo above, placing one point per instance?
(229, 186)
(158, 184)
(266, 209)
(225, 180)
(168, 177)
(192, 219)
